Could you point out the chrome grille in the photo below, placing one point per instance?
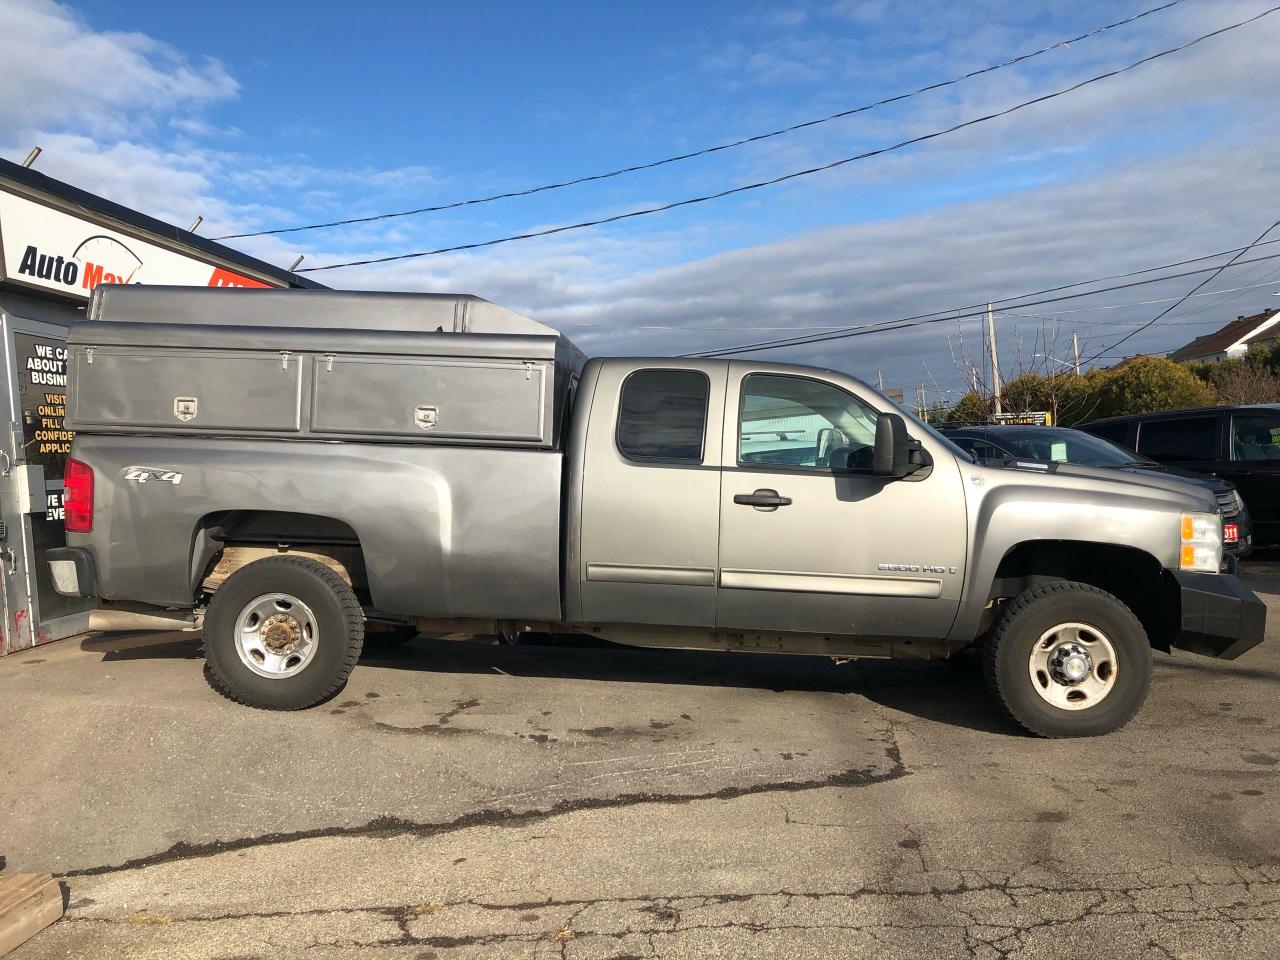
(1227, 504)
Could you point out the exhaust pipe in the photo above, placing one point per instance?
(115, 618)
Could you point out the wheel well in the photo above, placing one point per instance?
(1131, 575)
(225, 541)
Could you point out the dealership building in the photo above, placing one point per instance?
(56, 243)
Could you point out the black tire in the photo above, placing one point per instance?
(1007, 653)
(338, 619)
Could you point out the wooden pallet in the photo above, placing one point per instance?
(29, 902)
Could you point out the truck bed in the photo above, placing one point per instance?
(427, 428)
(445, 531)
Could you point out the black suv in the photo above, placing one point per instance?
(1240, 444)
(1064, 445)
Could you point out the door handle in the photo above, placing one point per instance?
(762, 499)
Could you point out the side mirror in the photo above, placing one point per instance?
(893, 456)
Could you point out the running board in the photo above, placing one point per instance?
(114, 618)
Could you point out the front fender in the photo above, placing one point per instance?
(1008, 509)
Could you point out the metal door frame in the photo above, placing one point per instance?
(22, 621)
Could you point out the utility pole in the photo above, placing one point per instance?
(1075, 350)
(995, 360)
(880, 381)
(920, 407)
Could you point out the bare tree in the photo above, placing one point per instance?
(1042, 378)
(1244, 381)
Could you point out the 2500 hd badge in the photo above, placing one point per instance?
(915, 568)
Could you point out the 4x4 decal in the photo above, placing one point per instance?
(143, 474)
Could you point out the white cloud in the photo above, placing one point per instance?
(60, 74)
(120, 114)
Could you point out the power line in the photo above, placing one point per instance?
(976, 310)
(950, 312)
(1136, 303)
(1183, 299)
(830, 328)
(924, 320)
(798, 173)
(1175, 323)
(696, 329)
(635, 168)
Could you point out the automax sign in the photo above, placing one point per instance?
(47, 248)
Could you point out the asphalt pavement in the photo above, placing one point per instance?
(461, 800)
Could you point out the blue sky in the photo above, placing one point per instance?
(466, 99)
(265, 115)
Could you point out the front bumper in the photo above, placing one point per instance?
(1219, 616)
(73, 572)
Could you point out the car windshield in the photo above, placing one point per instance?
(946, 441)
(1066, 446)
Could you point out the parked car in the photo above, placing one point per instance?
(1065, 445)
(291, 468)
(1240, 444)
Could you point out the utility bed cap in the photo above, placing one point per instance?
(310, 309)
(317, 365)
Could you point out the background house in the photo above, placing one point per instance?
(1233, 340)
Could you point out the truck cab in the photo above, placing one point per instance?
(737, 496)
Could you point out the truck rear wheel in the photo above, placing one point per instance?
(282, 633)
(1068, 660)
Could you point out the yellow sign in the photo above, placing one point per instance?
(1032, 418)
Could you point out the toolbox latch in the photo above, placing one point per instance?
(185, 408)
(426, 416)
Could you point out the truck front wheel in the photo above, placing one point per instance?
(282, 634)
(1068, 660)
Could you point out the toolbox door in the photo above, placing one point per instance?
(433, 398)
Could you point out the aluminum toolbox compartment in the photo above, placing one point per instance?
(320, 365)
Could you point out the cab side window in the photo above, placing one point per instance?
(662, 416)
(1255, 437)
(802, 423)
(1185, 440)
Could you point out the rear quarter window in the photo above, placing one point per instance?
(662, 416)
(1115, 432)
(1189, 439)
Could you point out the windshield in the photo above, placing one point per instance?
(1066, 446)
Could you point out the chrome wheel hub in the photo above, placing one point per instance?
(276, 635)
(1070, 663)
(1073, 666)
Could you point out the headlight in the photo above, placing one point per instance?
(1201, 542)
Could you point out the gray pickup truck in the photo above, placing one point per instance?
(293, 470)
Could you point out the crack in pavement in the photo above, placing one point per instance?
(995, 919)
(388, 826)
